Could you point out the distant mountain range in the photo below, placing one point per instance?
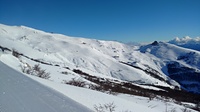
(187, 42)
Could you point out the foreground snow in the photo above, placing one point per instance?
(19, 93)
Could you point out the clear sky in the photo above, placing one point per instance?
(121, 20)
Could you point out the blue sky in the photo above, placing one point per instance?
(121, 20)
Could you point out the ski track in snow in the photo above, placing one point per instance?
(19, 93)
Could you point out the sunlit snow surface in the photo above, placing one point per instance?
(19, 93)
(95, 57)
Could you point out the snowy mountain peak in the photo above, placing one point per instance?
(187, 42)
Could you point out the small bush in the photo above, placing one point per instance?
(66, 73)
(96, 87)
(23, 68)
(28, 71)
(75, 82)
(37, 67)
(16, 53)
(36, 70)
(151, 96)
(43, 74)
(110, 107)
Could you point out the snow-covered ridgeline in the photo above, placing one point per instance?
(187, 42)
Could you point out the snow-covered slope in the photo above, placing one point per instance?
(187, 42)
(115, 67)
(180, 64)
(19, 93)
(100, 58)
(139, 64)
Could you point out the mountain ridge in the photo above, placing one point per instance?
(187, 42)
(101, 57)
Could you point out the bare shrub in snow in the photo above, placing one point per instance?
(26, 69)
(96, 87)
(16, 53)
(110, 107)
(99, 108)
(76, 82)
(66, 73)
(23, 68)
(40, 73)
(36, 70)
(151, 96)
(43, 74)
(37, 67)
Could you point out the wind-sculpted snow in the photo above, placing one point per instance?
(19, 93)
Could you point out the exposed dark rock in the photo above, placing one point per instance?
(155, 43)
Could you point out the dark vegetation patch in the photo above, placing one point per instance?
(76, 82)
(18, 55)
(130, 88)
